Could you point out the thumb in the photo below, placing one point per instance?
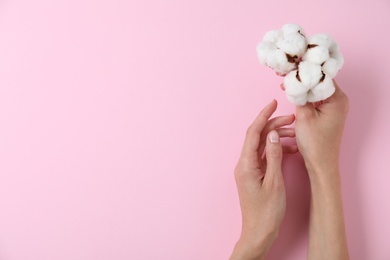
(307, 110)
(274, 154)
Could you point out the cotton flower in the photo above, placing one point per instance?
(294, 41)
(324, 89)
(309, 64)
(309, 73)
(296, 92)
(308, 84)
(282, 49)
(322, 49)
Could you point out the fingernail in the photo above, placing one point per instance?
(273, 137)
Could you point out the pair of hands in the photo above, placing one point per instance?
(318, 131)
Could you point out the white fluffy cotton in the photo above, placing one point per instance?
(335, 62)
(294, 41)
(321, 40)
(309, 73)
(292, 28)
(282, 49)
(310, 64)
(322, 49)
(295, 90)
(322, 90)
(274, 58)
(318, 54)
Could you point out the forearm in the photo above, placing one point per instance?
(249, 249)
(245, 252)
(327, 239)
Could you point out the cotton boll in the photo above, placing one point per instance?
(294, 89)
(322, 91)
(292, 28)
(309, 73)
(273, 36)
(321, 40)
(336, 61)
(294, 41)
(308, 63)
(282, 49)
(318, 54)
(293, 44)
(278, 61)
(263, 50)
(322, 49)
(274, 58)
(300, 100)
(333, 48)
(336, 54)
(293, 85)
(331, 67)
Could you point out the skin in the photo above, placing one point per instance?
(319, 129)
(260, 184)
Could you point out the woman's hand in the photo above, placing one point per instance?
(319, 128)
(260, 183)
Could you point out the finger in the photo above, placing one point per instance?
(277, 122)
(274, 154)
(283, 132)
(289, 149)
(273, 124)
(286, 132)
(305, 111)
(252, 138)
(338, 92)
(338, 96)
(335, 96)
(339, 101)
(282, 87)
(318, 103)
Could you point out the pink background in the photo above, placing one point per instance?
(121, 123)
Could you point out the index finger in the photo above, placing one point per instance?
(339, 98)
(252, 138)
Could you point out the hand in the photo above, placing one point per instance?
(260, 183)
(319, 128)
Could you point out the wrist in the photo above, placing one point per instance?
(323, 170)
(325, 180)
(247, 251)
(250, 248)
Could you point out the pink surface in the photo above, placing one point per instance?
(122, 121)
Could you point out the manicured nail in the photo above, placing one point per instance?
(273, 137)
